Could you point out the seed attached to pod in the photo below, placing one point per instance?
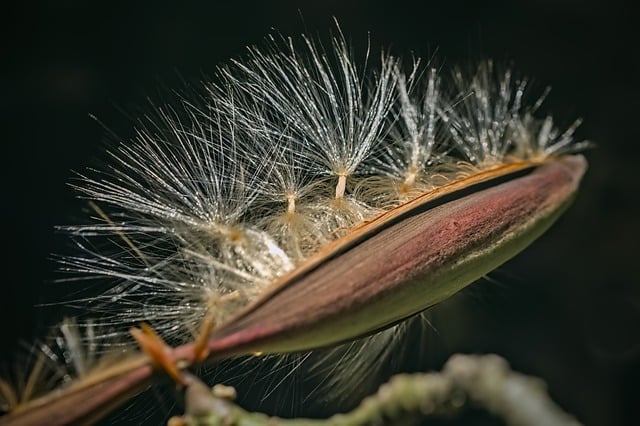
(303, 199)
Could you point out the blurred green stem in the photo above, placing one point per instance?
(486, 382)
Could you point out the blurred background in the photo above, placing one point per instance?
(566, 310)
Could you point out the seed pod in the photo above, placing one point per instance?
(397, 265)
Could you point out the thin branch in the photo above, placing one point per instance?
(486, 382)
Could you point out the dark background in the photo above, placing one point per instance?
(567, 309)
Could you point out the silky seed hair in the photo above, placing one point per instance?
(289, 148)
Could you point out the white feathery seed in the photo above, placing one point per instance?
(290, 148)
